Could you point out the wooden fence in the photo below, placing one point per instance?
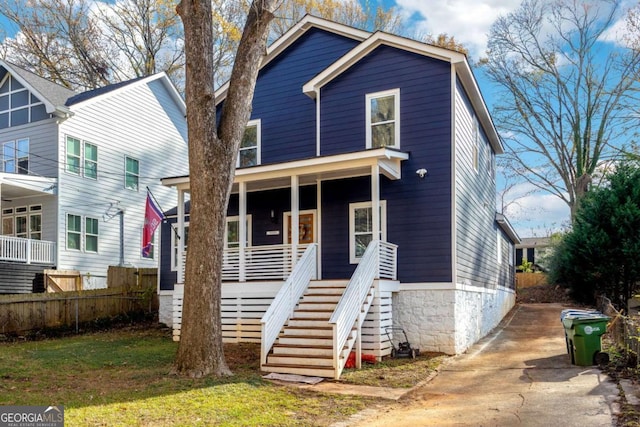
(526, 280)
(118, 277)
(623, 331)
(28, 312)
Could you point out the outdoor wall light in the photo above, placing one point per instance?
(421, 172)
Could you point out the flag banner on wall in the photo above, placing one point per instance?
(152, 218)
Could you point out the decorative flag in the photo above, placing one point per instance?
(152, 217)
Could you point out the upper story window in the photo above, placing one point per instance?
(249, 153)
(17, 105)
(131, 173)
(82, 158)
(383, 119)
(15, 156)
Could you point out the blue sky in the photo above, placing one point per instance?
(469, 22)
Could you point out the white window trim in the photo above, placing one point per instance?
(83, 233)
(16, 157)
(27, 212)
(85, 160)
(11, 109)
(174, 245)
(258, 124)
(66, 156)
(66, 232)
(396, 106)
(236, 218)
(383, 226)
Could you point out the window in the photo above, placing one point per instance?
(361, 228)
(17, 105)
(174, 244)
(90, 161)
(82, 158)
(91, 235)
(74, 231)
(131, 173)
(232, 233)
(249, 153)
(15, 156)
(23, 221)
(383, 112)
(73, 155)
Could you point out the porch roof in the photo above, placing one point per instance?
(337, 166)
(14, 186)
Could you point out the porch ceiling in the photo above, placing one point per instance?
(16, 186)
(338, 166)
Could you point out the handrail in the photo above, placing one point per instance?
(27, 250)
(349, 307)
(286, 299)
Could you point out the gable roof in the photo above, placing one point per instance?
(84, 98)
(51, 94)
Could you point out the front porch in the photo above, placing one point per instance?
(27, 251)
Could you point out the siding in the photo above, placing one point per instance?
(141, 121)
(476, 228)
(289, 129)
(43, 150)
(418, 210)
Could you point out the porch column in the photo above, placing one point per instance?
(319, 229)
(242, 228)
(295, 219)
(180, 253)
(375, 201)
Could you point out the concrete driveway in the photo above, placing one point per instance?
(519, 375)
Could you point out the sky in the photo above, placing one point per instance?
(535, 214)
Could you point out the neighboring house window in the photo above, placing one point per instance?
(90, 161)
(82, 158)
(174, 245)
(15, 156)
(91, 234)
(383, 119)
(73, 155)
(232, 232)
(131, 173)
(361, 228)
(23, 221)
(74, 232)
(17, 105)
(249, 154)
(475, 145)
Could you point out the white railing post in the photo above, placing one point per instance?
(28, 254)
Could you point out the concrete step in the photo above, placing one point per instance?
(318, 371)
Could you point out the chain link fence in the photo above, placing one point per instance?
(623, 331)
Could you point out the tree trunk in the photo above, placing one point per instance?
(212, 156)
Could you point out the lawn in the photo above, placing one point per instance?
(121, 377)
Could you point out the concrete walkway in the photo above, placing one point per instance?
(519, 375)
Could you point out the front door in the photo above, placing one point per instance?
(306, 228)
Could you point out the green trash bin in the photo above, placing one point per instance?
(584, 334)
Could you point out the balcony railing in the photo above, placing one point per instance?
(28, 251)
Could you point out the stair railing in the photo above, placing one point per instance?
(349, 308)
(287, 298)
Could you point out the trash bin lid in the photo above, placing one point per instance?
(578, 312)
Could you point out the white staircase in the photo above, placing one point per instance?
(305, 344)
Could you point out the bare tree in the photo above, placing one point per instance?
(213, 149)
(564, 104)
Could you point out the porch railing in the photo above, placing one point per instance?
(27, 251)
(378, 261)
(286, 299)
(272, 262)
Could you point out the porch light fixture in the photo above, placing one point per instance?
(421, 172)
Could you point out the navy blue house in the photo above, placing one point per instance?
(369, 158)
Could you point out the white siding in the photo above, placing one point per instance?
(141, 121)
(475, 227)
(43, 145)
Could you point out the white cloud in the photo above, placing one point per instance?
(468, 22)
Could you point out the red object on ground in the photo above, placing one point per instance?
(367, 358)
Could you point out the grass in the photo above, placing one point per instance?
(121, 378)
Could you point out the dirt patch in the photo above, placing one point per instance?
(544, 294)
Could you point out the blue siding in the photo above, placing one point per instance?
(289, 116)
